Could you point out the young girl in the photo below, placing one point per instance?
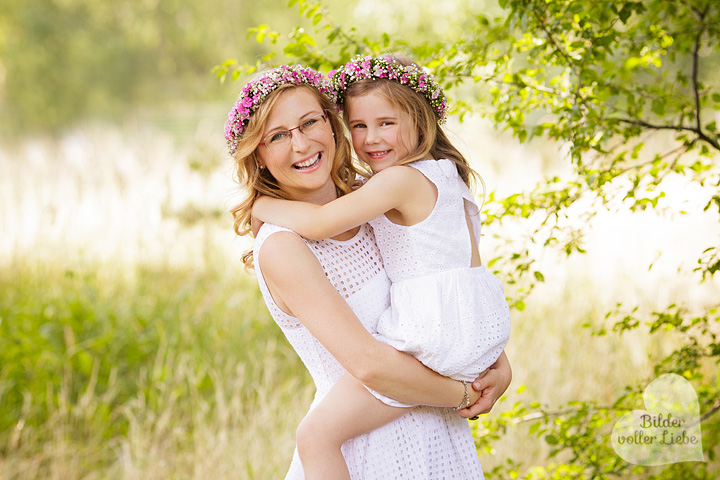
(447, 310)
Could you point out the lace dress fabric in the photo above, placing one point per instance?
(453, 318)
(427, 442)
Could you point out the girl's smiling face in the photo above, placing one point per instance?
(382, 135)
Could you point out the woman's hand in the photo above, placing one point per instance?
(491, 384)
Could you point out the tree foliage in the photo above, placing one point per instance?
(629, 88)
(63, 61)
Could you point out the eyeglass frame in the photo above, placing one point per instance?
(324, 115)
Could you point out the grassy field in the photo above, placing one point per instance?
(159, 373)
(134, 346)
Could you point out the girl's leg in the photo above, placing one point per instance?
(348, 410)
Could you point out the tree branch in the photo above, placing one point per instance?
(550, 37)
(643, 123)
(708, 414)
(638, 166)
(572, 64)
(711, 412)
(680, 128)
(542, 414)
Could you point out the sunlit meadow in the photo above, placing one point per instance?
(136, 346)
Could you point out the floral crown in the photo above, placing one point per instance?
(258, 89)
(370, 68)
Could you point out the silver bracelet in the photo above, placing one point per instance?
(465, 402)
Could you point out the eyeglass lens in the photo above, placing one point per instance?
(283, 137)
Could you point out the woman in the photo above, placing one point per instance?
(288, 142)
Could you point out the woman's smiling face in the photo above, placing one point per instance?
(301, 167)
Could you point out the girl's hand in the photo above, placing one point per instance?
(491, 384)
(255, 224)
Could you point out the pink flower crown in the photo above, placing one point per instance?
(370, 68)
(257, 90)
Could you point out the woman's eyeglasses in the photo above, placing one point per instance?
(282, 138)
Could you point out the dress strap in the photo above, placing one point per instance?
(264, 233)
(455, 183)
(282, 318)
(472, 210)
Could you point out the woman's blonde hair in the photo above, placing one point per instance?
(432, 140)
(258, 181)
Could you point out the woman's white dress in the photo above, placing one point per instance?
(453, 318)
(427, 442)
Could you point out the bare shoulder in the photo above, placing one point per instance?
(293, 275)
(282, 251)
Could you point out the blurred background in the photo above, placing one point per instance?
(133, 344)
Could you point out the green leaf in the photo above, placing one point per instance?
(632, 63)
(658, 107)
(625, 13)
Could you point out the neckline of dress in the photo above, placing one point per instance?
(352, 239)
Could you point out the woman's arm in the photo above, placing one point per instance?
(396, 188)
(299, 287)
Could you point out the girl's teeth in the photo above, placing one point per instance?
(377, 154)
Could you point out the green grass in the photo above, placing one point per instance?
(172, 370)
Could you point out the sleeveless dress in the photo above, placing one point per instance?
(453, 318)
(427, 443)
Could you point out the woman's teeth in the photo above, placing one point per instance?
(308, 163)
